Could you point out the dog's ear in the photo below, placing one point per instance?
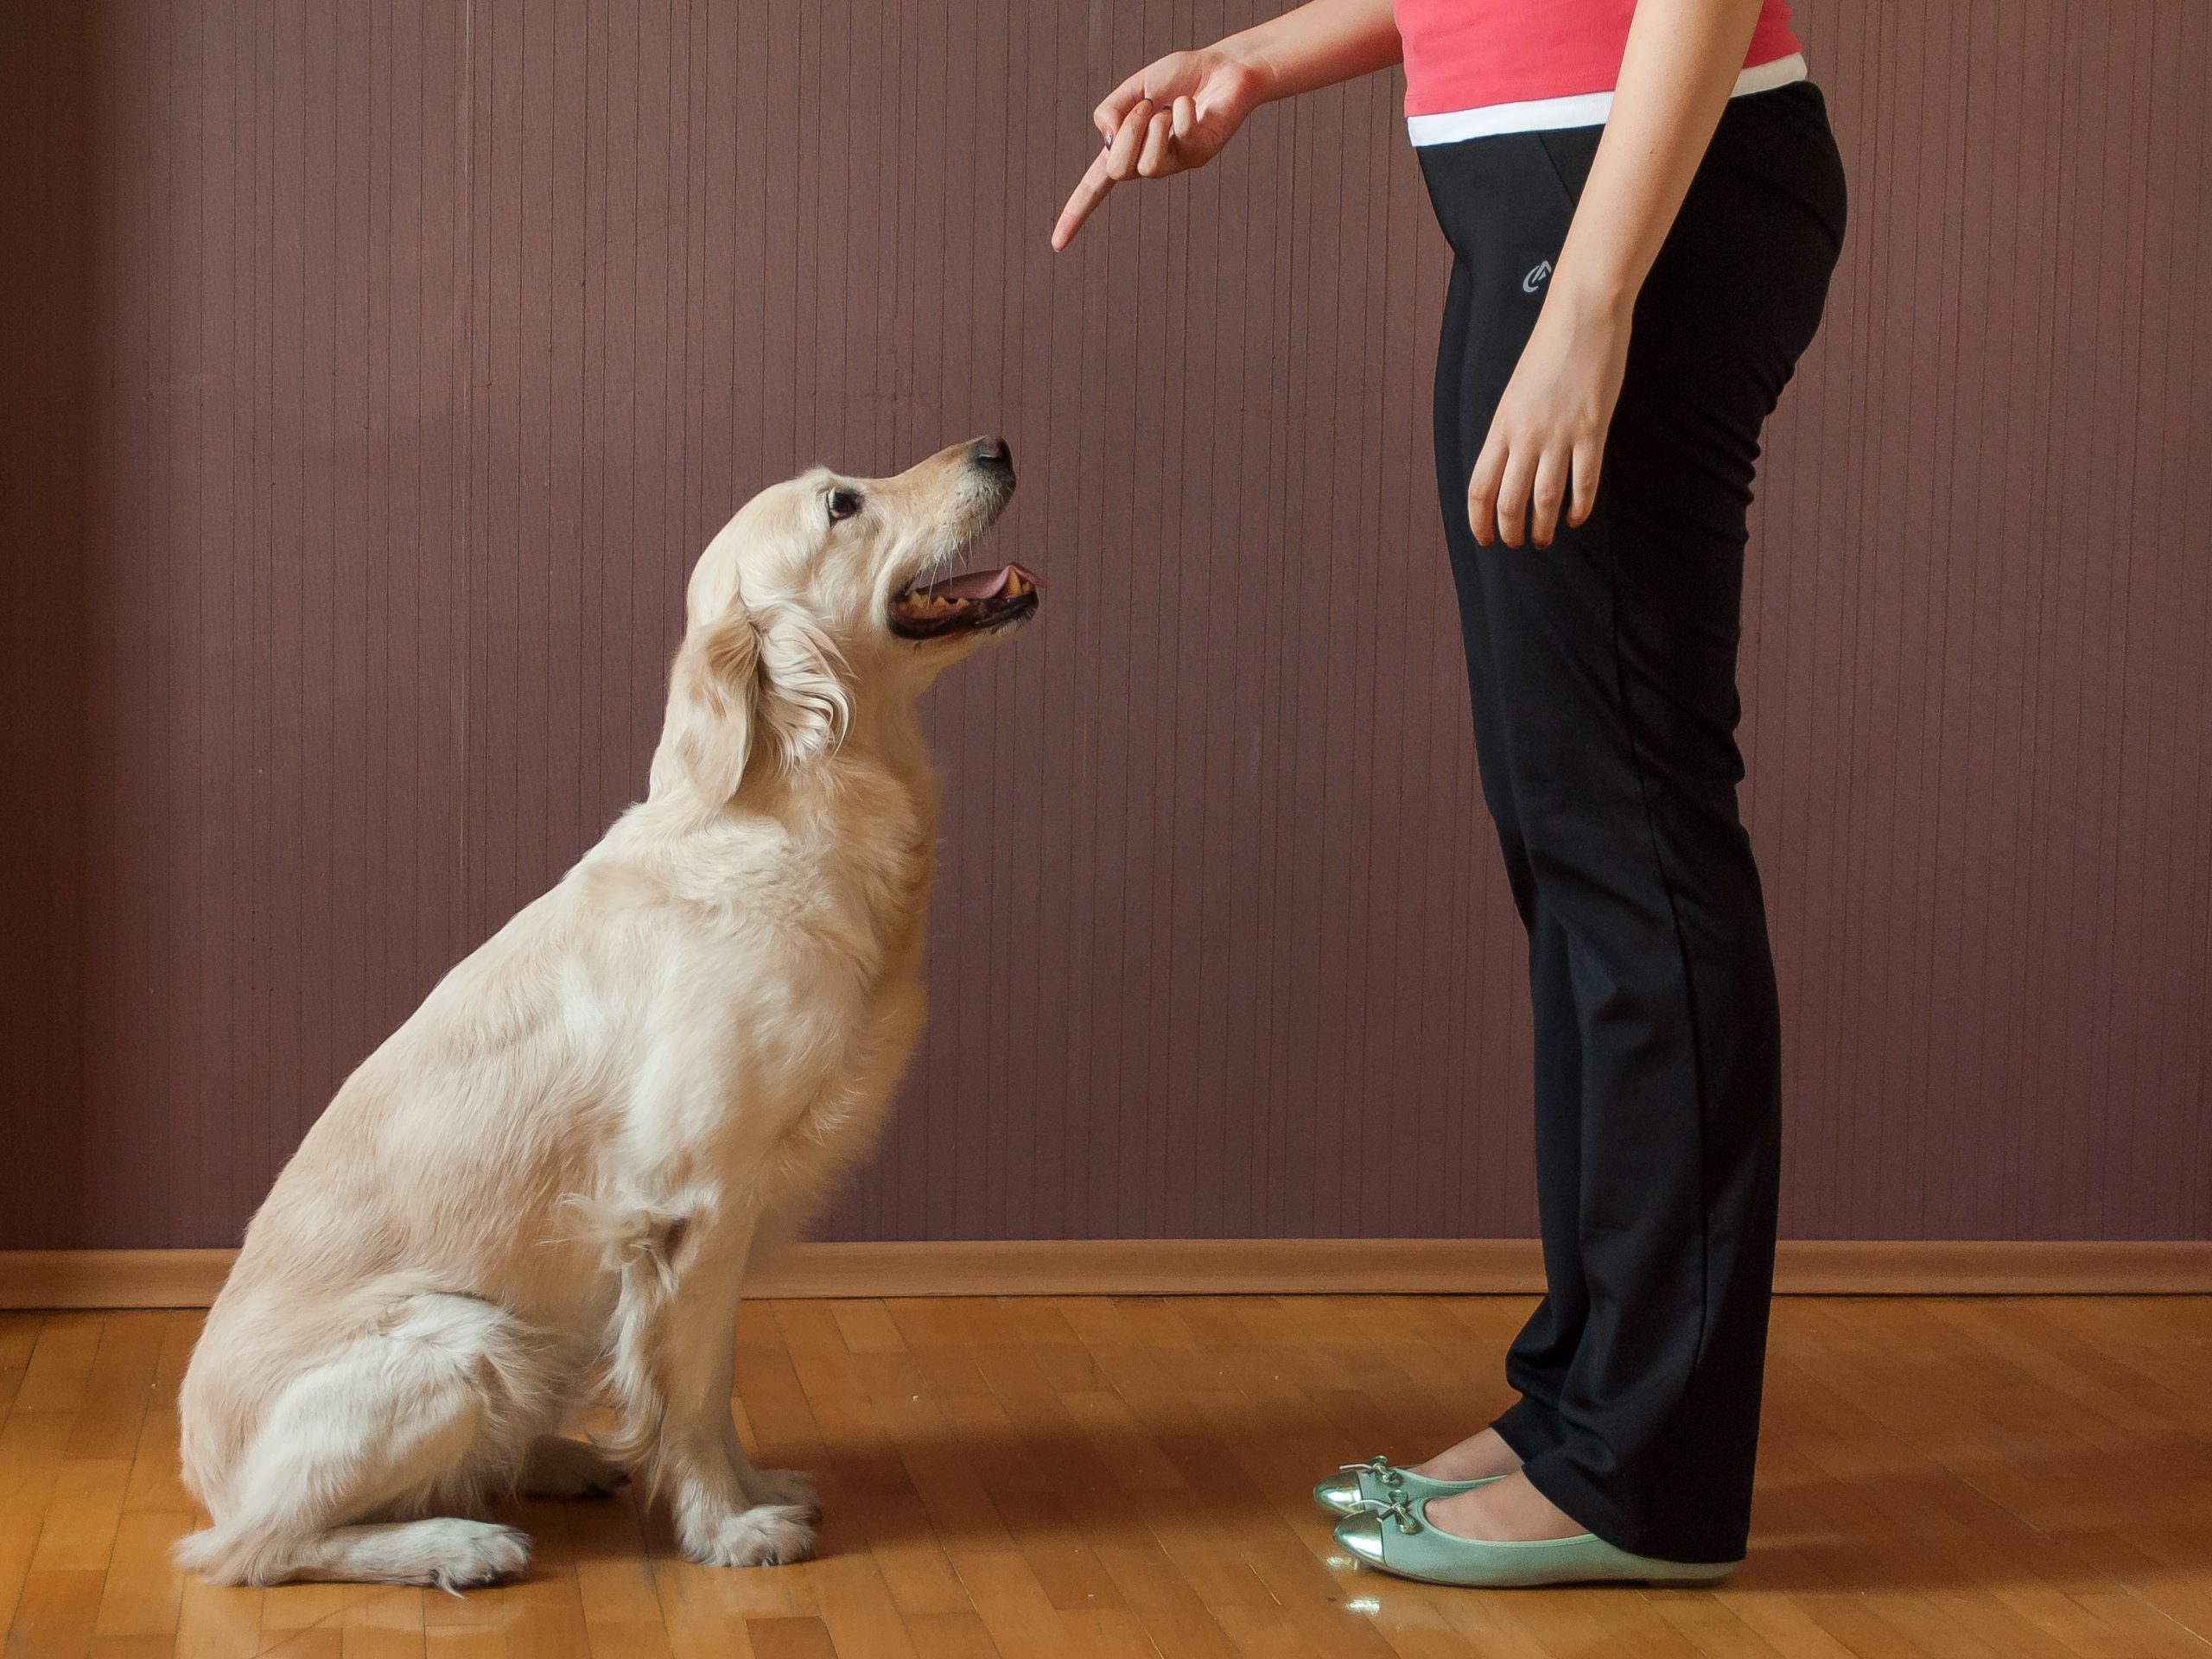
(712, 697)
(804, 707)
(756, 688)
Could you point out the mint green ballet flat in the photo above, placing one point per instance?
(1378, 1480)
(1399, 1538)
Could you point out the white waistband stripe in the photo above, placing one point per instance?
(1581, 110)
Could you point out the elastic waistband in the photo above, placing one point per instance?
(1580, 109)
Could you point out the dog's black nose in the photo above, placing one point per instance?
(993, 452)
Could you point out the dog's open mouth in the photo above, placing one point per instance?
(978, 601)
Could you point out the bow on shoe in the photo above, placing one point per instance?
(1381, 1467)
(1398, 1510)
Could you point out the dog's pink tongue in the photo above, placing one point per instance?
(979, 584)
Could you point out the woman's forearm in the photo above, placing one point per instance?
(1320, 43)
(1682, 61)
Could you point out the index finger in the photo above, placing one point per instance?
(1090, 191)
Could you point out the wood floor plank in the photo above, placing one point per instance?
(1011, 1605)
(61, 1363)
(2163, 1569)
(819, 1356)
(289, 1610)
(857, 1608)
(1186, 1633)
(118, 1388)
(131, 1647)
(18, 1337)
(794, 1636)
(547, 1619)
(388, 1625)
(1776, 1617)
(953, 1636)
(867, 1327)
(155, 1482)
(2114, 1625)
(622, 1640)
(1274, 1631)
(895, 1530)
(617, 1590)
(215, 1622)
(741, 1595)
(465, 1642)
(143, 1593)
(1709, 1626)
(700, 1625)
(82, 1516)
(55, 1614)
(953, 1496)
(30, 1463)
(1061, 1558)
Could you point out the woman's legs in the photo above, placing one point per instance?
(1603, 670)
(1538, 1363)
(1618, 711)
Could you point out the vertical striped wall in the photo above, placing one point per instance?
(370, 373)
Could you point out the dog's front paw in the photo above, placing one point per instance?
(456, 1554)
(787, 1488)
(767, 1534)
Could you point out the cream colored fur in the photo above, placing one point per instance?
(552, 1178)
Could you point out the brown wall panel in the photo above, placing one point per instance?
(371, 372)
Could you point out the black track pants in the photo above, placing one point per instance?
(1604, 674)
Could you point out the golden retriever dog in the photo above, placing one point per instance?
(545, 1188)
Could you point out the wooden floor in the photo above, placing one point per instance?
(1050, 1479)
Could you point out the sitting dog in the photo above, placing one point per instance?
(547, 1186)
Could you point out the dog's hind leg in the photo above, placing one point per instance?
(441, 1398)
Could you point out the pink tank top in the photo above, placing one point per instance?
(1502, 55)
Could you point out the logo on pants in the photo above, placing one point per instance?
(1534, 279)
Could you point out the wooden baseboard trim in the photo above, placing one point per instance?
(1207, 1267)
(111, 1278)
(1157, 1267)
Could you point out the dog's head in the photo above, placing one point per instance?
(826, 592)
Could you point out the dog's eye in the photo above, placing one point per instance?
(843, 504)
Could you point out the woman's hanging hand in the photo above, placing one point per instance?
(1547, 441)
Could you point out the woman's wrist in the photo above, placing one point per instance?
(1592, 292)
(1248, 58)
